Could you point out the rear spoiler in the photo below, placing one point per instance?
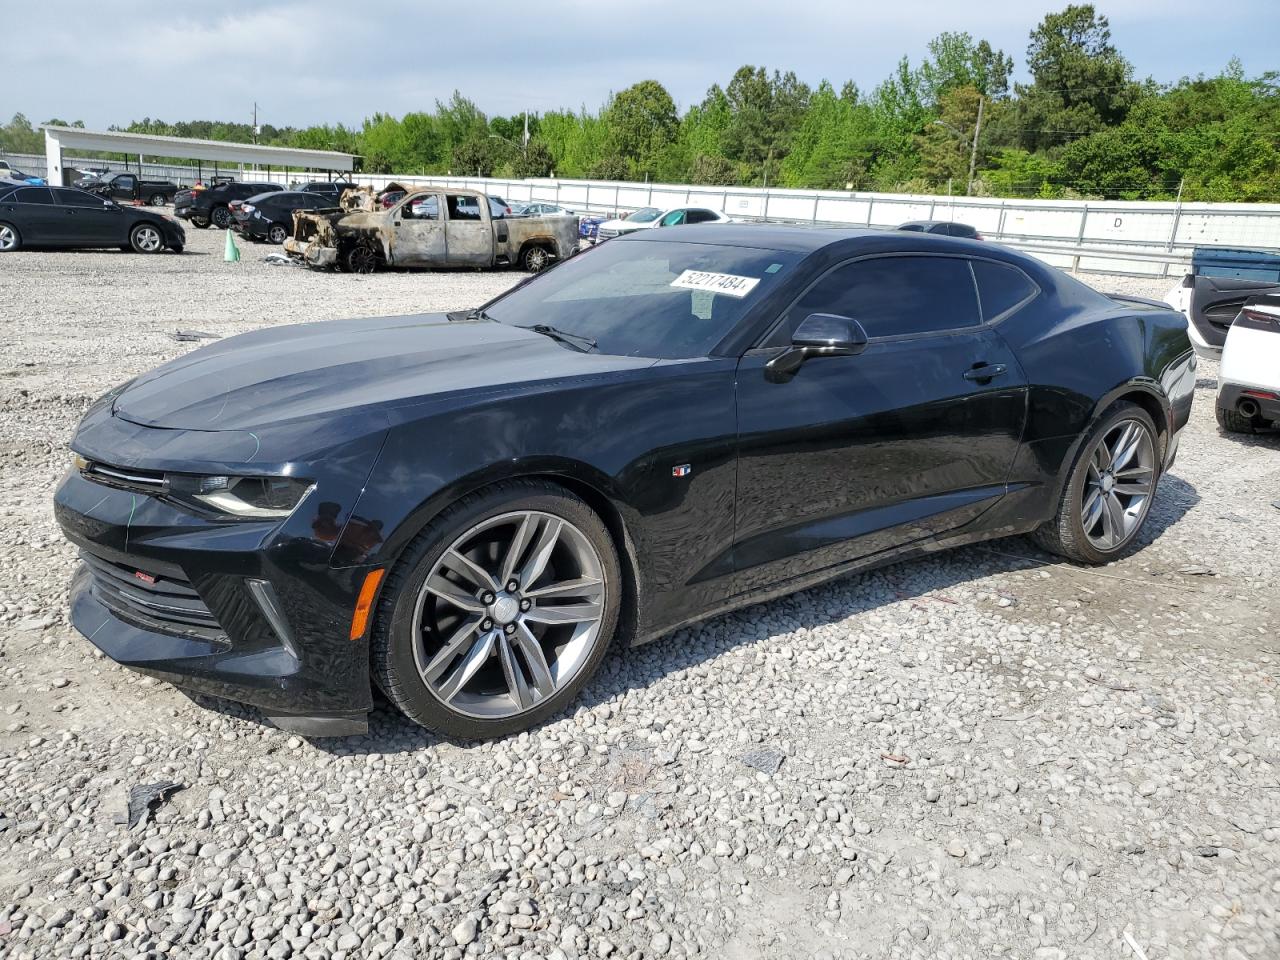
(1125, 298)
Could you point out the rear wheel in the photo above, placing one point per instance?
(157, 200)
(535, 259)
(1233, 421)
(10, 239)
(221, 217)
(501, 610)
(199, 223)
(1108, 495)
(146, 238)
(277, 233)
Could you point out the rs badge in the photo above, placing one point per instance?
(682, 471)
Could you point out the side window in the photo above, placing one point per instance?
(33, 195)
(463, 208)
(125, 181)
(77, 198)
(1001, 287)
(699, 216)
(892, 296)
(673, 219)
(422, 208)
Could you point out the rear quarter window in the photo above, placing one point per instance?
(1001, 288)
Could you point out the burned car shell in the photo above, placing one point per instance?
(401, 236)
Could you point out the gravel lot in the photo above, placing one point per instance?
(984, 754)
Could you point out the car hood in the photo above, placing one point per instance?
(342, 367)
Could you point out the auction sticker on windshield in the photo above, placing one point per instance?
(725, 283)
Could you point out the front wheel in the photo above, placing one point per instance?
(146, 238)
(1108, 495)
(10, 239)
(221, 217)
(360, 258)
(500, 611)
(199, 223)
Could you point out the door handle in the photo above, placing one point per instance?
(984, 373)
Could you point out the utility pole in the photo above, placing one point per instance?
(255, 121)
(973, 154)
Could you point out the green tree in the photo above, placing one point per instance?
(956, 61)
(642, 123)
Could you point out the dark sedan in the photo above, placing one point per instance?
(946, 228)
(269, 216)
(67, 217)
(467, 510)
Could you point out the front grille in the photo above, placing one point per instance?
(155, 601)
(149, 482)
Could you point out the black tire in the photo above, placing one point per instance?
(277, 233)
(535, 259)
(146, 238)
(199, 223)
(1233, 421)
(393, 665)
(177, 248)
(157, 200)
(220, 217)
(10, 238)
(1065, 534)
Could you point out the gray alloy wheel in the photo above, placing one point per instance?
(536, 259)
(498, 612)
(146, 238)
(277, 234)
(495, 595)
(9, 238)
(157, 200)
(1108, 493)
(1118, 485)
(221, 217)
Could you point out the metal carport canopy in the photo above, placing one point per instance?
(57, 139)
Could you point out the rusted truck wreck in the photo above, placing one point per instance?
(431, 227)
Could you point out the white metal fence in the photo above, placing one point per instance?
(1107, 236)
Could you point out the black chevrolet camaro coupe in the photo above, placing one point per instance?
(468, 509)
(67, 217)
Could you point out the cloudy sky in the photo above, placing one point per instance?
(324, 60)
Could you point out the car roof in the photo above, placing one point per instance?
(835, 243)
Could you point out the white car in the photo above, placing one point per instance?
(537, 208)
(1249, 377)
(647, 218)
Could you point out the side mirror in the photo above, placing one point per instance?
(819, 335)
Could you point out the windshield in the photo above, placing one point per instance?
(668, 300)
(644, 215)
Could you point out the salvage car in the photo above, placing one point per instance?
(127, 186)
(468, 510)
(211, 205)
(67, 217)
(649, 218)
(435, 227)
(269, 216)
(1249, 377)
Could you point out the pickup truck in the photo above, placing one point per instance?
(127, 186)
(431, 227)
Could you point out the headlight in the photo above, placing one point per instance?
(251, 497)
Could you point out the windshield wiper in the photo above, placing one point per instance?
(575, 340)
